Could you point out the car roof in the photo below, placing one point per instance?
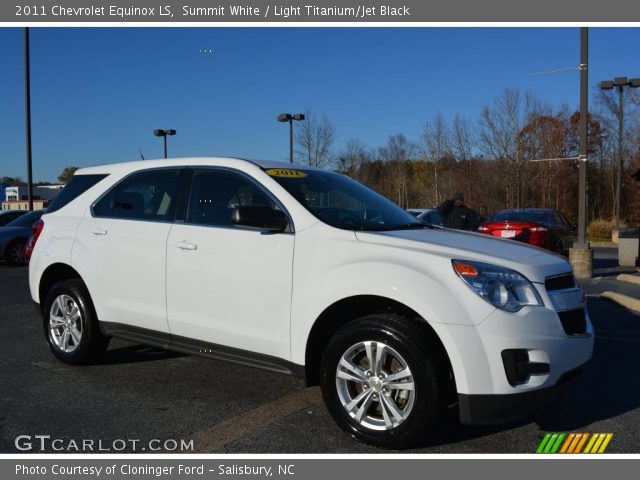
(515, 210)
(190, 161)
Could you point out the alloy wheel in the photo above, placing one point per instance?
(375, 385)
(65, 324)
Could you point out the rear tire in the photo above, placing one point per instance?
(383, 382)
(71, 324)
(14, 254)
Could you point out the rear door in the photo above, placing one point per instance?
(228, 285)
(120, 249)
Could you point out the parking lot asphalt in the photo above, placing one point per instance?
(140, 393)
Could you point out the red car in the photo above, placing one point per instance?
(542, 227)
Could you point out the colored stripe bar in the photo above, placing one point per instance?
(556, 446)
(594, 437)
(543, 443)
(599, 437)
(561, 442)
(605, 443)
(551, 442)
(567, 442)
(574, 444)
(596, 446)
(582, 442)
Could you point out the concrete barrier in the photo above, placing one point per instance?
(628, 247)
(581, 259)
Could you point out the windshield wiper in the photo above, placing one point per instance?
(408, 226)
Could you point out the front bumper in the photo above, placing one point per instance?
(495, 409)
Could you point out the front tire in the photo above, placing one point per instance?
(383, 381)
(71, 325)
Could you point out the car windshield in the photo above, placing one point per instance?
(520, 216)
(26, 220)
(431, 217)
(342, 202)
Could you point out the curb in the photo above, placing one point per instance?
(603, 245)
(625, 277)
(622, 300)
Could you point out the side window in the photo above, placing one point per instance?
(215, 193)
(567, 223)
(148, 195)
(559, 220)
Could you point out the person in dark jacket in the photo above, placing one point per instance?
(456, 214)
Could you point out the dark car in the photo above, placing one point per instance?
(542, 227)
(430, 216)
(7, 216)
(14, 236)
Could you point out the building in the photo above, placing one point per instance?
(3, 187)
(17, 198)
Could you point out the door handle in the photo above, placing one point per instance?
(99, 231)
(184, 245)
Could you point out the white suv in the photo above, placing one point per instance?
(306, 272)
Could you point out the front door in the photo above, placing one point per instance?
(228, 285)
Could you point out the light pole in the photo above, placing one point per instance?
(619, 83)
(288, 117)
(163, 133)
(581, 255)
(27, 107)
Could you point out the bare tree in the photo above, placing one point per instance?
(354, 156)
(314, 140)
(397, 152)
(500, 127)
(435, 145)
(398, 148)
(462, 144)
(462, 138)
(608, 104)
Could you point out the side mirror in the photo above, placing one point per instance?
(275, 221)
(574, 227)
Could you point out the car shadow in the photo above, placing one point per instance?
(609, 267)
(136, 354)
(608, 387)
(605, 263)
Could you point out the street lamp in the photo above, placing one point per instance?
(619, 83)
(288, 117)
(163, 133)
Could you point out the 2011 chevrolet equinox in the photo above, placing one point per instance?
(304, 271)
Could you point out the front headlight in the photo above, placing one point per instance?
(501, 287)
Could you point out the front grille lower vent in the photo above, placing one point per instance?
(573, 321)
(560, 282)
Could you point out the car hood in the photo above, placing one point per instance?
(533, 262)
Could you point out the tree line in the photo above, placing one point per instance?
(519, 152)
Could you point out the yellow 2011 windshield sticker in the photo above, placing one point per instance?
(286, 173)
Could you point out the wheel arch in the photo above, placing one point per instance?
(53, 274)
(351, 308)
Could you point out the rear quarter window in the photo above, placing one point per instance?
(72, 190)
